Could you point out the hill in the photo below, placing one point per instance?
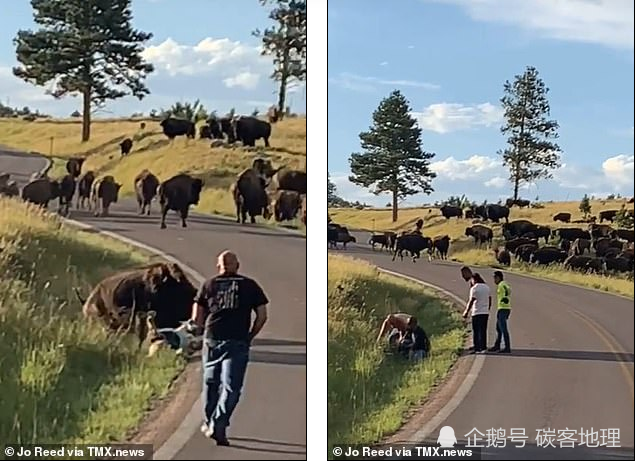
(462, 248)
(60, 139)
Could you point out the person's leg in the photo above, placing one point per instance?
(475, 333)
(497, 343)
(484, 319)
(232, 376)
(212, 364)
(504, 316)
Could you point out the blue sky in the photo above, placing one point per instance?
(450, 59)
(203, 50)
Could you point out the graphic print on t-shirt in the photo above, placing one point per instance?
(226, 295)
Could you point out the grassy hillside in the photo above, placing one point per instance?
(369, 393)
(462, 249)
(218, 166)
(62, 380)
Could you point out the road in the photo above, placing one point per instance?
(270, 420)
(571, 367)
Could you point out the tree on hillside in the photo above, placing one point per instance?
(85, 47)
(532, 153)
(286, 42)
(331, 190)
(393, 159)
(585, 206)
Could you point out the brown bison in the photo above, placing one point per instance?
(145, 185)
(562, 216)
(177, 194)
(74, 166)
(67, 191)
(122, 300)
(289, 180)
(286, 204)
(104, 192)
(84, 186)
(41, 191)
(125, 146)
(250, 196)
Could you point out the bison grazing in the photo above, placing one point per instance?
(74, 166)
(563, 217)
(607, 215)
(173, 127)
(125, 146)
(503, 257)
(177, 194)
(440, 245)
(104, 192)
(286, 204)
(145, 186)
(121, 299)
(41, 191)
(289, 180)
(480, 233)
(67, 191)
(84, 186)
(448, 211)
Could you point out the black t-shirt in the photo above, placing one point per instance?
(420, 339)
(227, 302)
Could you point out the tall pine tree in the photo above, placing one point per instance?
(331, 191)
(393, 159)
(85, 47)
(286, 42)
(532, 153)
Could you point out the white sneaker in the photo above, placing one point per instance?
(207, 432)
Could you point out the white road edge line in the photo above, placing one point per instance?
(424, 432)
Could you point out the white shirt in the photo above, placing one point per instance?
(481, 292)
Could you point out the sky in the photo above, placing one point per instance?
(450, 59)
(203, 51)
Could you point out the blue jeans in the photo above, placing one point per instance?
(501, 328)
(224, 367)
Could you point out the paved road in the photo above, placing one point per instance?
(564, 371)
(270, 421)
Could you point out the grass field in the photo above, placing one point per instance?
(61, 380)
(218, 167)
(369, 393)
(462, 248)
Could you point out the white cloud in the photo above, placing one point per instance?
(605, 22)
(360, 83)
(496, 182)
(237, 64)
(383, 63)
(618, 171)
(447, 117)
(453, 169)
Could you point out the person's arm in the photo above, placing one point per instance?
(468, 307)
(489, 302)
(260, 300)
(198, 307)
(384, 327)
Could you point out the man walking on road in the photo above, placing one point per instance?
(224, 304)
(503, 300)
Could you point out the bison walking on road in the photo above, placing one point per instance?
(84, 186)
(145, 185)
(105, 192)
(177, 194)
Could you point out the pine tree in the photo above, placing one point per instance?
(393, 159)
(585, 205)
(286, 42)
(532, 154)
(331, 191)
(85, 47)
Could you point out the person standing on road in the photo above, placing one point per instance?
(224, 304)
(503, 302)
(478, 306)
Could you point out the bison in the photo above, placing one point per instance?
(122, 299)
(601, 230)
(524, 251)
(607, 215)
(572, 233)
(480, 233)
(286, 204)
(548, 255)
(440, 245)
(563, 217)
(173, 127)
(125, 146)
(413, 243)
(74, 166)
(579, 245)
(41, 191)
(495, 213)
(602, 245)
(250, 196)
(520, 203)
(338, 234)
(248, 129)
(512, 244)
(286, 179)
(518, 228)
(104, 192)
(503, 257)
(145, 186)
(586, 263)
(177, 194)
(84, 186)
(448, 211)
(619, 264)
(67, 191)
(625, 234)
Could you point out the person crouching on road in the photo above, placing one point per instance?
(503, 301)
(224, 304)
(478, 306)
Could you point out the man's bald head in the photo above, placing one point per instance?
(227, 263)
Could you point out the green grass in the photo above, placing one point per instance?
(61, 379)
(370, 393)
(462, 248)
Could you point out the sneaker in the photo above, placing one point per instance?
(221, 437)
(207, 432)
(482, 351)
